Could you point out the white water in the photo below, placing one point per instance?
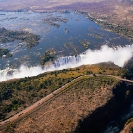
(117, 55)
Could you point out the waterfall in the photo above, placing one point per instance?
(118, 56)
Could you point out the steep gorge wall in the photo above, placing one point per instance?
(115, 107)
(93, 108)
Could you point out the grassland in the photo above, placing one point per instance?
(20, 93)
(64, 111)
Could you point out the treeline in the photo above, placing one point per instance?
(24, 92)
(94, 83)
(18, 94)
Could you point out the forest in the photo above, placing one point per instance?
(17, 94)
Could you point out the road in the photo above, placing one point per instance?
(47, 99)
(122, 79)
(31, 108)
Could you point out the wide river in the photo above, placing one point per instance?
(66, 33)
(71, 37)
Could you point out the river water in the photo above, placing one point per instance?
(77, 28)
(117, 125)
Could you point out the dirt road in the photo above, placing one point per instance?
(47, 99)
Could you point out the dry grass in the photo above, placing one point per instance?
(63, 113)
(33, 89)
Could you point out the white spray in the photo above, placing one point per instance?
(118, 56)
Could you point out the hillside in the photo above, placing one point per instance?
(66, 110)
(63, 112)
(18, 94)
(80, 108)
(85, 99)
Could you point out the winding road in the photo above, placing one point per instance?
(47, 99)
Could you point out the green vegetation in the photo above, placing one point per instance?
(84, 94)
(49, 55)
(28, 90)
(5, 52)
(94, 83)
(10, 36)
(20, 93)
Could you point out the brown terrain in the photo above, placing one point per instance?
(66, 110)
(62, 113)
(128, 128)
(113, 11)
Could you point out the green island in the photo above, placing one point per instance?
(10, 36)
(5, 53)
(49, 56)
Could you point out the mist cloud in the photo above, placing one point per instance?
(117, 55)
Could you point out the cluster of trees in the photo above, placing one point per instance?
(49, 55)
(12, 93)
(4, 52)
(24, 92)
(10, 36)
(14, 105)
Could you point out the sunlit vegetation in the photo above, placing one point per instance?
(10, 36)
(78, 100)
(20, 93)
(48, 56)
(93, 83)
